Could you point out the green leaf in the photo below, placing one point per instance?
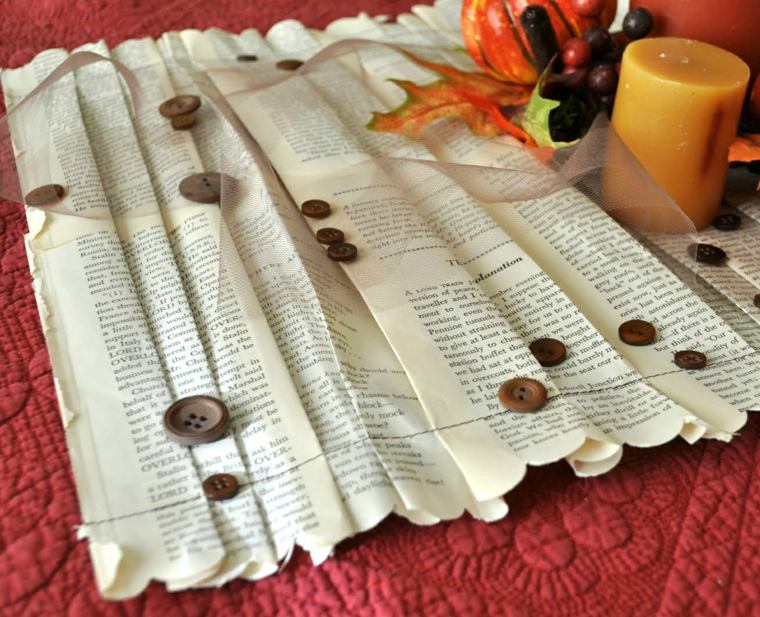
(535, 119)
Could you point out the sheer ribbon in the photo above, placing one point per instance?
(599, 165)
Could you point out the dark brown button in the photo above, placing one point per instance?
(329, 235)
(183, 122)
(727, 222)
(45, 195)
(637, 332)
(220, 486)
(196, 419)
(341, 251)
(706, 254)
(178, 105)
(548, 351)
(247, 58)
(204, 188)
(690, 359)
(289, 65)
(757, 300)
(522, 394)
(315, 208)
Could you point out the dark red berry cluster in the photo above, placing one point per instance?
(592, 62)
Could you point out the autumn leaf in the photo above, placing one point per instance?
(475, 98)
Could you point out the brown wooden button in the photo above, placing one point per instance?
(341, 251)
(757, 300)
(203, 188)
(183, 122)
(727, 222)
(178, 105)
(315, 208)
(329, 235)
(247, 58)
(289, 65)
(196, 419)
(522, 394)
(548, 351)
(45, 195)
(220, 486)
(706, 254)
(637, 332)
(690, 359)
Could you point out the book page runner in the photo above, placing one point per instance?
(107, 357)
(354, 390)
(717, 417)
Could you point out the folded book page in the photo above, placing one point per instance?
(104, 349)
(355, 389)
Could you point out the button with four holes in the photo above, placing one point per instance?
(329, 235)
(289, 65)
(690, 359)
(178, 105)
(727, 222)
(45, 195)
(220, 486)
(548, 351)
(195, 420)
(342, 251)
(203, 188)
(315, 208)
(522, 394)
(637, 332)
(706, 254)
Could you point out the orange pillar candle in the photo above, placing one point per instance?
(677, 109)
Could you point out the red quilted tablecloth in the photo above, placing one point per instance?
(671, 531)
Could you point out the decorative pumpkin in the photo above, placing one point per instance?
(494, 38)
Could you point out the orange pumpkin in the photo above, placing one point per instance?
(494, 38)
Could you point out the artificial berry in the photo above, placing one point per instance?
(602, 79)
(637, 23)
(599, 39)
(576, 52)
(587, 8)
